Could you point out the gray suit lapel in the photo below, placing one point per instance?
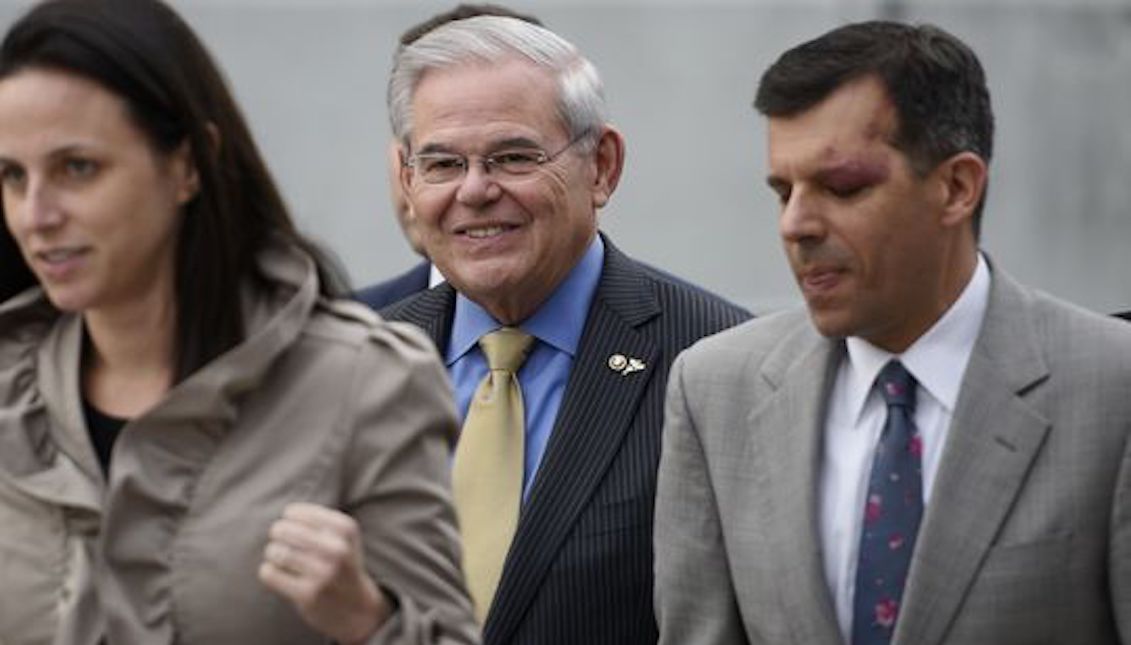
(786, 442)
(994, 436)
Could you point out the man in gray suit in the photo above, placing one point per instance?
(934, 453)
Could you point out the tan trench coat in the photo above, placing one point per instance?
(322, 402)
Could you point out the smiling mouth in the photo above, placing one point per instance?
(484, 232)
(59, 256)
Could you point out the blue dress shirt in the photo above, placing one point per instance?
(556, 327)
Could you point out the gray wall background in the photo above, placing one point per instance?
(680, 76)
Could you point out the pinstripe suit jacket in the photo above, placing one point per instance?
(396, 288)
(1027, 536)
(579, 571)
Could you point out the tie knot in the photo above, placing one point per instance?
(897, 386)
(505, 348)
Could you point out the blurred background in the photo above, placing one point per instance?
(680, 76)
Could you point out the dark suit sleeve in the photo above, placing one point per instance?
(694, 595)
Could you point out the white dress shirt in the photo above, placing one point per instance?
(856, 416)
(434, 276)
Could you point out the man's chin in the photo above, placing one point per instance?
(830, 323)
(483, 283)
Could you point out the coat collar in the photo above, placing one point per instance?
(48, 386)
(273, 321)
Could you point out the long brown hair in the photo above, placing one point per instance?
(144, 53)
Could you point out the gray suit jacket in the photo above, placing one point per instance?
(1027, 538)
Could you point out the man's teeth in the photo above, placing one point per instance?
(484, 232)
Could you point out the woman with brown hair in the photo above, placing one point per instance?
(198, 442)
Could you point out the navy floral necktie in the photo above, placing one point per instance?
(892, 512)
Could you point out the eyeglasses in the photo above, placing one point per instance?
(446, 167)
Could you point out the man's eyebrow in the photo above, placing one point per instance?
(864, 170)
(776, 183)
(431, 148)
(498, 144)
(514, 142)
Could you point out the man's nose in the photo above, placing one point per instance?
(801, 218)
(477, 186)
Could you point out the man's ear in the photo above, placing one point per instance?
(404, 172)
(609, 158)
(401, 206)
(963, 182)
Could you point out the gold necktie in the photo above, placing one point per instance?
(487, 473)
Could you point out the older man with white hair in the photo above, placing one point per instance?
(558, 344)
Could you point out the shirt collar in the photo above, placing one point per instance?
(558, 322)
(434, 276)
(937, 359)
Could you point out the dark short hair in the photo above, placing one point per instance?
(463, 11)
(933, 79)
(145, 54)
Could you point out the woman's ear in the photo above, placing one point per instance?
(184, 174)
(184, 169)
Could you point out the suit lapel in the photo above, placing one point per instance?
(995, 434)
(418, 277)
(597, 410)
(785, 451)
(431, 310)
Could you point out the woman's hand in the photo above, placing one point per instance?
(314, 559)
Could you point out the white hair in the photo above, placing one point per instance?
(491, 39)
